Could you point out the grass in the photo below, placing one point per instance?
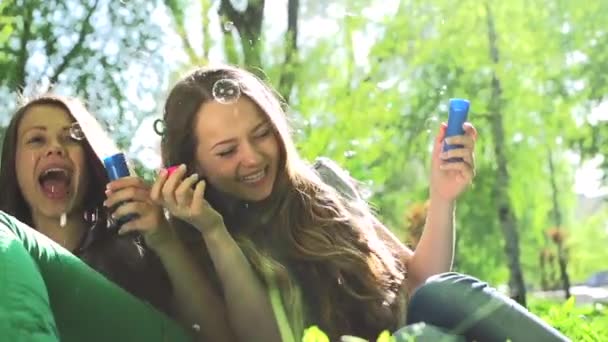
(587, 323)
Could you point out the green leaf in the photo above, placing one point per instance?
(385, 336)
(314, 334)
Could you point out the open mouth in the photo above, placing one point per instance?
(55, 182)
(254, 177)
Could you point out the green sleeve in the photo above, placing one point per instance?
(48, 294)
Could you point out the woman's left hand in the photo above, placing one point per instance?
(133, 194)
(450, 178)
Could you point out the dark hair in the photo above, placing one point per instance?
(349, 279)
(120, 258)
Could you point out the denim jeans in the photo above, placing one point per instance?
(461, 307)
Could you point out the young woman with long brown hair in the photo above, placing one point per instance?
(285, 249)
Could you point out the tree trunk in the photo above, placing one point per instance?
(543, 271)
(505, 212)
(557, 216)
(249, 26)
(290, 63)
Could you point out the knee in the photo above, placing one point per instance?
(448, 282)
(441, 291)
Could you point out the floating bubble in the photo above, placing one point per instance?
(349, 153)
(76, 132)
(226, 91)
(159, 127)
(228, 26)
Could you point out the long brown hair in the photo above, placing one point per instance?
(120, 258)
(349, 279)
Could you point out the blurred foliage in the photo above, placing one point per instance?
(369, 90)
(104, 51)
(579, 322)
(584, 323)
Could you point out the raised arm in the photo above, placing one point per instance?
(247, 303)
(198, 305)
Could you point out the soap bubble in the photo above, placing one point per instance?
(76, 132)
(228, 26)
(226, 91)
(159, 127)
(349, 154)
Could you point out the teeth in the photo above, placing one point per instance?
(55, 170)
(255, 177)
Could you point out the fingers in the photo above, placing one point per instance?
(128, 208)
(465, 141)
(442, 128)
(438, 144)
(126, 182)
(464, 169)
(131, 226)
(184, 192)
(198, 199)
(470, 130)
(126, 194)
(173, 180)
(157, 187)
(464, 153)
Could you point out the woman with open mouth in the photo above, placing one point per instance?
(52, 180)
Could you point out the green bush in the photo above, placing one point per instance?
(579, 323)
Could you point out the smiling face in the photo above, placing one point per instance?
(237, 150)
(50, 165)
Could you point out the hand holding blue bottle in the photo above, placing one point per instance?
(453, 159)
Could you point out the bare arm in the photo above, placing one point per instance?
(449, 178)
(247, 300)
(248, 306)
(196, 301)
(434, 253)
(198, 305)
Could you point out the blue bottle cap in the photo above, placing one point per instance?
(459, 105)
(116, 166)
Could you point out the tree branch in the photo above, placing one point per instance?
(205, 5)
(74, 51)
(18, 80)
(180, 29)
